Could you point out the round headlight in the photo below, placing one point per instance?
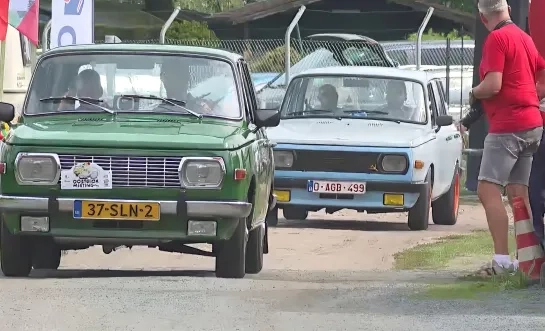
(283, 159)
(394, 163)
(202, 172)
(37, 169)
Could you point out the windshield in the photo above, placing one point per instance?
(362, 97)
(98, 82)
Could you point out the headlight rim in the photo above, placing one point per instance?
(402, 172)
(53, 156)
(293, 154)
(188, 159)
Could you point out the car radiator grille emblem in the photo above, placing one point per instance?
(132, 171)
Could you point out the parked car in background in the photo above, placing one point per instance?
(96, 167)
(460, 83)
(327, 50)
(434, 52)
(261, 78)
(370, 139)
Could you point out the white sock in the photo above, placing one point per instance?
(503, 260)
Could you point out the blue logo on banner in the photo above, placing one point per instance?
(73, 7)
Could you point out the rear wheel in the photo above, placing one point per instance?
(15, 254)
(445, 209)
(272, 217)
(419, 214)
(295, 213)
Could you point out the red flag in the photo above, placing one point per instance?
(29, 24)
(4, 6)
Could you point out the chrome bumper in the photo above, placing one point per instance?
(211, 209)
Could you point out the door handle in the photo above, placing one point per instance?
(269, 144)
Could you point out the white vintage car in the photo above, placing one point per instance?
(370, 139)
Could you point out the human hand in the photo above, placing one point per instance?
(461, 127)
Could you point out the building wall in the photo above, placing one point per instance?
(376, 18)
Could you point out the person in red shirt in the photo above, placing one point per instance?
(509, 71)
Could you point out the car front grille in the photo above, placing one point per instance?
(335, 161)
(132, 171)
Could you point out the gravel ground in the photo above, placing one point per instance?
(327, 273)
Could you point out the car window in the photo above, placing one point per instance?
(355, 96)
(433, 103)
(440, 98)
(206, 85)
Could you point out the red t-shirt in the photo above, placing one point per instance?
(511, 51)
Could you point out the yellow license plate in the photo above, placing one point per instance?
(130, 211)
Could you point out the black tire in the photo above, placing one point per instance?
(47, 255)
(15, 254)
(254, 250)
(295, 213)
(445, 209)
(231, 256)
(272, 217)
(419, 214)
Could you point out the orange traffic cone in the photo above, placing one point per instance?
(529, 251)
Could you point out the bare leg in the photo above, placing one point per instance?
(496, 215)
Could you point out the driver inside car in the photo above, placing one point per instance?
(328, 97)
(175, 77)
(396, 95)
(88, 85)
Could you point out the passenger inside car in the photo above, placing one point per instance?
(87, 85)
(396, 95)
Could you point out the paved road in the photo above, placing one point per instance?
(313, 281)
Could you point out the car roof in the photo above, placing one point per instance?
(404, 44)
(344, 36)
(421, 76)
(145, 48)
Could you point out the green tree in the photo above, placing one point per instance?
(190, 30)
(209, 6)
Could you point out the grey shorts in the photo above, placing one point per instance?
(507, 157)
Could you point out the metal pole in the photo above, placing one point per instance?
(2, 66)
(45, 36)
(419, 38)
(292, 25)
(167, 24)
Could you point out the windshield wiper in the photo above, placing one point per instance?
(302, 112)
(87, 101)
(368, 112)
(171, 101)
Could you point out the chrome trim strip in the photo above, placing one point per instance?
(218, 209)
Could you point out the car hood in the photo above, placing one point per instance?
(208, 134)
(349, 132)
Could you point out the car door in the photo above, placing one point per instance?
(442, 156)
(454, 138)
(259, 151)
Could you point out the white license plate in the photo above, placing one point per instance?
(318, 186)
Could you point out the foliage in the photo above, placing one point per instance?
(431, 35)
(468, 6)
(190, 30)
(272, 61)
(209, 6)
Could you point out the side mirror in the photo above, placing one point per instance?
(444, 120)
(7, 112)
(267, 118)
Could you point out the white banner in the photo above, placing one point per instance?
(72, 22)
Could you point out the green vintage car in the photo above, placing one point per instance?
(124, 145)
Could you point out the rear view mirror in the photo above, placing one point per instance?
(355, 82)
(267, 118)
(444, 120)
(7, 112)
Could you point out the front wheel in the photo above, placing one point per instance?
(231, 256)
(445, 209)
(419, 214)
(255, 250)
(15, 254)
(47, 254)
(295, 213)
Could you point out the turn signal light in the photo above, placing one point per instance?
(2, 168)
(240, 174)
(418, 164)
